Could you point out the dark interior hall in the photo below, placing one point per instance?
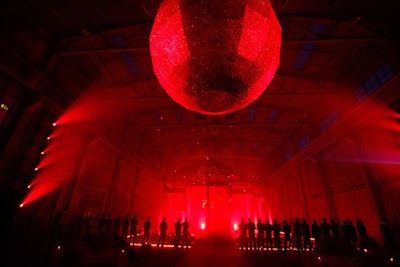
(210, 111)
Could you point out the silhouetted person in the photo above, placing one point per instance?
(277, 234)
(387, 234)
(361, 229)
(109, 223)
(251, 227)
(326, 228)
(335, 229)
(185, 233)
(146, 232)
(125, 226)
(346, 230)
(243, 234)
(305, 228)
(102, 223)
(316, 231)
(163, 232)
(287, 242)
(297, 233)
(80, 220)
(133, 230)
(60, 223)
(89, 222)
(352, 232)
(260, 234)
(117, 224)
(178, 232)
(268, 234)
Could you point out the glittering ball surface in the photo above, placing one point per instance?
(215, 57)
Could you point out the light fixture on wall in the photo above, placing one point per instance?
(215, 57)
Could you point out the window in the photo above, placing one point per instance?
(289, 155)
(329, 121)
(126, 57)
(304, 142)
(373, 82)
(307, 49)
(251, 114)
(272, 116)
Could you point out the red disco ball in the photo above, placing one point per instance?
(215, 57)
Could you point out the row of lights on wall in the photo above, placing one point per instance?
(3, 106)
(29, 186)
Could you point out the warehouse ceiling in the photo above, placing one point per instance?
(69, 52)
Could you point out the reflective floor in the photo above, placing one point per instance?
(209, 251)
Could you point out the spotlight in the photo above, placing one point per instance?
(54, 124)
(21, 205)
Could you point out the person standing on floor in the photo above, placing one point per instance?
(251, 226)
(178, 232)
(163, 232)
(260, 235)
(243, 235)
(287, 243)
(185, 234)
(146, 232)
(133, 230)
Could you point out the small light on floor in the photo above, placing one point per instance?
(58, 247)
(391, 260)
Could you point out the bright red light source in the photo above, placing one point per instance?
(21, 205)
(203, 226)
(215, 57)
(235, 227)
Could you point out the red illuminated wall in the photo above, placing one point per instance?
(215, 206)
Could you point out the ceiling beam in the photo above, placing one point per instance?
(217, 125)
(145, 48)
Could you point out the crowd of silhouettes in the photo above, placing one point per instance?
(274, 236)
(128, 228)
(258, 236)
